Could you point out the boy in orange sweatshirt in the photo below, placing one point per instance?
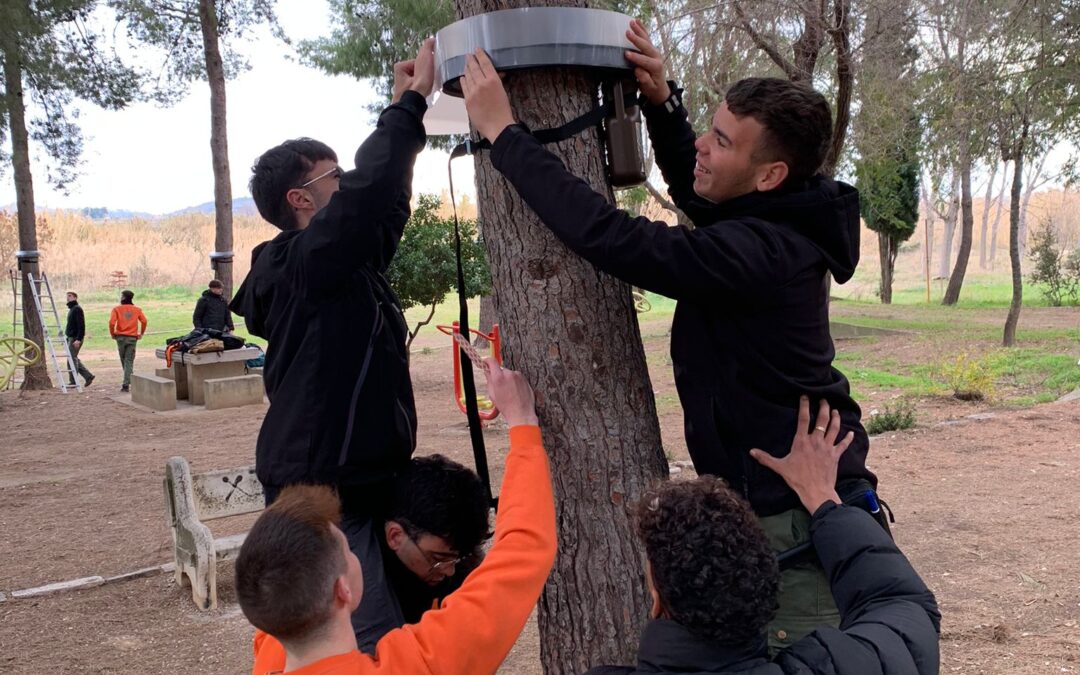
(127, 323)
(298, 582)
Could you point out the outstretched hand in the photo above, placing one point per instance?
(416, 74)
(485, 96)
(648, 64)
(511, 394)
(810, 467)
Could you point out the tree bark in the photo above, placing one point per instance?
(37, 375)
(574, 334)
(983, 262)
(219, 145)
(1011, 321)
(956, 279)
(888, 259)
(997, 213)
(845, 83)
(486, 321)
(948, 229)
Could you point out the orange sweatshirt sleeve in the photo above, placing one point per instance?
(142, 321)
(114, 319)
(473, 631)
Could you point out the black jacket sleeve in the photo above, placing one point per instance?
(365, 218)
(673, 140)
(889, 619)
(736, 257)
(78, 320)
(198, 318)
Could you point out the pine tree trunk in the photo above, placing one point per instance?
(885, 245)
(486, 321)
(573, 332)
(1013, 318)
(219, 146)
(37, 375)
(956, 279)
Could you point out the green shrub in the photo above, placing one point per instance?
(892, 419)
(969, 378)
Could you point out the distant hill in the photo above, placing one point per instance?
(245, 206)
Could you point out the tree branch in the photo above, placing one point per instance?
(764, 45)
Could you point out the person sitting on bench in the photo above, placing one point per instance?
(298, 582)
(714, 579)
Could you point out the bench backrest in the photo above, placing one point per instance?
(229, 492)
(210, 495)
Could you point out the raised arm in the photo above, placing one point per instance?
(365, 218)
(732, 257)
(670, 132)
(477, 625)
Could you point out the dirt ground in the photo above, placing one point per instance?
(984, 500)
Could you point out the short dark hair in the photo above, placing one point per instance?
(797, 121)
(73, 293)
(287, 567)
(126, 297)
(438, 496)
(279, 170)
(711, 561)
(215, 283)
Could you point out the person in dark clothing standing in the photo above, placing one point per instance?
(212, 311)
(337, 375)
(751, 328)
(714, 580)
(75, 331)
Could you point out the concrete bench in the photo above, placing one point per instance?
(193, 499)
(232, 392)
(201, 367)
(177, 374)
(156, 393)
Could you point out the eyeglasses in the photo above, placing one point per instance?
(332, 173)
(436, 565)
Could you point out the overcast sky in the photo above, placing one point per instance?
(153, 159)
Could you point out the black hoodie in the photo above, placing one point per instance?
(337, 374)
(76, 322)
(211, 311)
(751, 328)
(890, 621)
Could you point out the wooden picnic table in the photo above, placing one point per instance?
(191, 370)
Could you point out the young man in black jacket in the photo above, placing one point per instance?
(714, 579)
(212, 311)
(341, 402)
(751, 328)
(75, 331)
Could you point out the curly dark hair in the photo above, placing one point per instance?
(438, 496)
(279, 170)
(711, 562)
(797, 121)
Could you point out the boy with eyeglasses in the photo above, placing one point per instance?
(341, 411)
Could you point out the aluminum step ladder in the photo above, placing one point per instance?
(56, 344)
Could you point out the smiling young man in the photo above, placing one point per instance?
(751, 328)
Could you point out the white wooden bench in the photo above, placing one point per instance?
(193, 499)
